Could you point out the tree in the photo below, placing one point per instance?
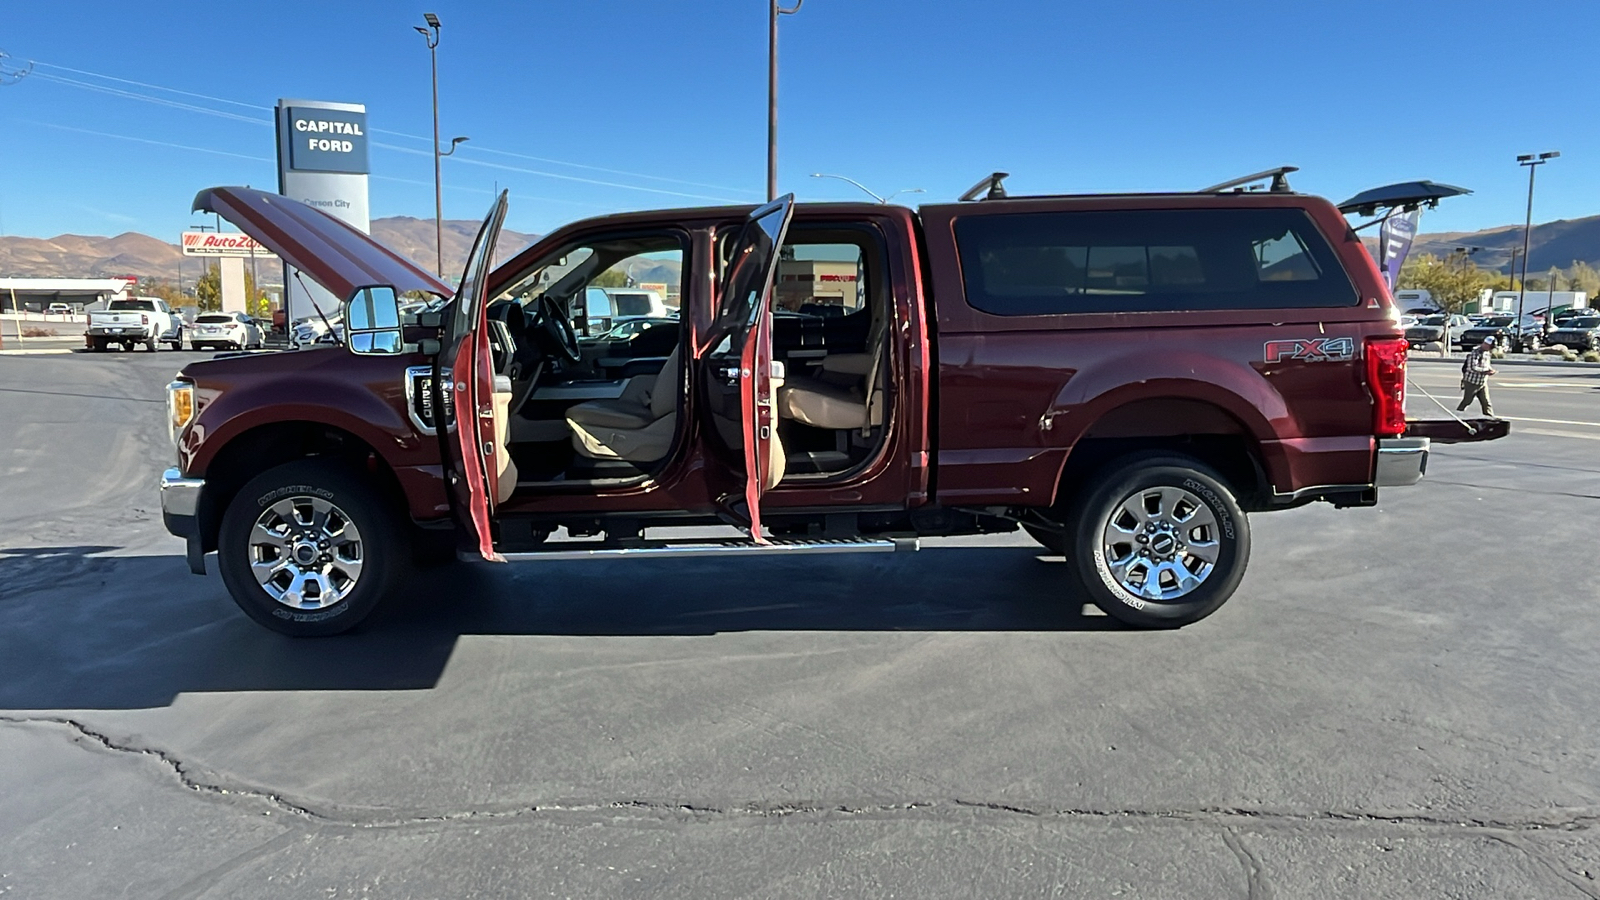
(208, 294)
(1453, 281)
(208, 291)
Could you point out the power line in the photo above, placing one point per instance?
(190, 107)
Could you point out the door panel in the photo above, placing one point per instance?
(474, 453)
(737, 371)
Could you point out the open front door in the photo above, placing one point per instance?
(474, 456)
(738, 367)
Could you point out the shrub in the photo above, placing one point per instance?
(1591, 356)
(36, 331)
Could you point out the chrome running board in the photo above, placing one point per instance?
(683, 549)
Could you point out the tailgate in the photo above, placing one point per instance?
(1457, 431)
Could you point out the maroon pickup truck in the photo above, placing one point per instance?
(1124, 377)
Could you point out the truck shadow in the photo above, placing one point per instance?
(81, 631)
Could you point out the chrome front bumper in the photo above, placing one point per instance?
(1401, 461)
(180, 496)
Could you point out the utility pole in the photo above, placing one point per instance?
(430, 33)
(772, 93)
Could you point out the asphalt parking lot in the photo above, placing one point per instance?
(1397, 703)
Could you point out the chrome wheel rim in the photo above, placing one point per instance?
(306, 553)
(1160, 543)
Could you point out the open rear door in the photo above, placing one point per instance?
(741, 380)
(472, 455)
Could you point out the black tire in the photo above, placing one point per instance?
(1054, 540)
(96, 345)
(383, 551)
(150, 345)
(177, 341)
(1120, 484)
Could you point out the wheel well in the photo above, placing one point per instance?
(259, 449)
(1189, 427)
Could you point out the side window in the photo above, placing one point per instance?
(825, 280)
(606, 282)
(1031, 264)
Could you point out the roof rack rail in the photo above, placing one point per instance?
(1279, 176)
(991, 188)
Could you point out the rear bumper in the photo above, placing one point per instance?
(1401, 461)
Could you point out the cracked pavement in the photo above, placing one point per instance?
(1386, 709)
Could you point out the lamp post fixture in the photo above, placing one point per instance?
(772, 93)
(1532, 162)
(431, 35)
(868, 191)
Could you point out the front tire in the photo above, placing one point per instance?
(308, 548)
(1160, 541)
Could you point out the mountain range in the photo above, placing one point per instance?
(1559, 243)
(149, 258)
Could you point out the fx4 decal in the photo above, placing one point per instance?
(1310, 350)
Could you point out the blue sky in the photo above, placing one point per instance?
(603, 105)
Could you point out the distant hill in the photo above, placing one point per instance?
(132, 253)
(1558, 244)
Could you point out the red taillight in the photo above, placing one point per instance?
(1386, 378)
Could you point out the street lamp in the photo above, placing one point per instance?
(869, 192)
(772, 93)
(431, 35)
(1532, 162)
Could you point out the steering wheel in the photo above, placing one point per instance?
(550, 322)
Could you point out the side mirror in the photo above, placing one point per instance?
(372, 322)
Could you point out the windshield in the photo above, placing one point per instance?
(1432, 320)
(214, 319)
(1497, 321)
(141, 305)
(1582, 322)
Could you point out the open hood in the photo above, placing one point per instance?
(329, 252)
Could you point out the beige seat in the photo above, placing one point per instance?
(505, 474)
(637, 426)
(844, 397)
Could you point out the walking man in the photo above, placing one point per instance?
(1475, 372)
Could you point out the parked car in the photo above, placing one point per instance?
(313, 330)
(628, 329)
(1523, 337)
(608, 307)
(985, 375)
(1433, 329)
(59, 309)
(137, 320)
(1578, 333)
(225, 331)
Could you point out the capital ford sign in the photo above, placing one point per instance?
(210, 243)
(327, 140)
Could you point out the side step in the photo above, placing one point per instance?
(741, 547)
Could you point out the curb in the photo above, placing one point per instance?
(1556, 363)
(43, 351)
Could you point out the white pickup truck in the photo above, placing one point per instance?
(137, 320)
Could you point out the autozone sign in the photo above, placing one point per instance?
(210, 243)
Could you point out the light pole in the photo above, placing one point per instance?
(431, 35)
(1532, 162)
(772, 93)
(869, 192)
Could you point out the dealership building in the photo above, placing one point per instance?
(37, 294)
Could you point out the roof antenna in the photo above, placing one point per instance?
(991, 188)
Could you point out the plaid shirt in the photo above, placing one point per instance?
(1476, 368)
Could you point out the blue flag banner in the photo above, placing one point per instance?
(1394, 242)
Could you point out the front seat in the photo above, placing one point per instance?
(637, 426)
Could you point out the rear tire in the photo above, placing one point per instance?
(1186, 548)
(321, 538)
(177, 342)
(150, 344)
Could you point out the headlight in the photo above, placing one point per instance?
(180, 407)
